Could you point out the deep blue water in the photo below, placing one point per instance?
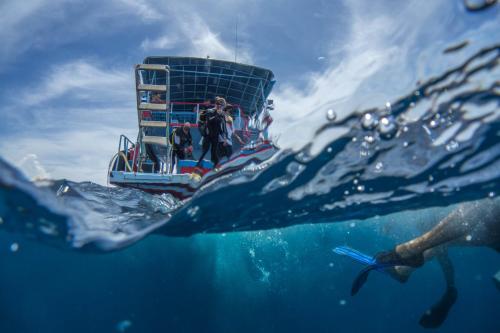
(252, 252)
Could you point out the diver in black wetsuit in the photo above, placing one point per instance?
(212, 125)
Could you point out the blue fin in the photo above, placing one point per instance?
(370, 262)
(355, 254)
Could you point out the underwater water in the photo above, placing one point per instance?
(253, 251)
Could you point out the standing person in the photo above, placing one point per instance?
(213, 125)
(226, 142)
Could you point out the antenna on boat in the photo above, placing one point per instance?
(236, 39)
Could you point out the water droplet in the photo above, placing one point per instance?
(346, 192)
(355, 181)
(387, 127)
(369, 139)
(330, 264)
(289, 211)
(412, 105)
(468, 238)
(405, 144)
(193, 211)
(14, 247)
(433, 123)
(361, 188)
(123, 325)
(452, 145)
(417, 93)
(354, 139)
(368, 121)
(352, 224)
(431, 178)
(491, 194)
(234, 225)
(331, 115)
(329, 150)
(342, 302)
(1, 220)
(379, 166)
(388, 107)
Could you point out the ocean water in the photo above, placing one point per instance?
(252, 251)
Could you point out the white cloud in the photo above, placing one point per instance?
(191, 35)
(375, 67)
(82, 80)
(166, 42)
(32, 167)
(75, 116)
(78, 155)
(16, 35)
(147, 11)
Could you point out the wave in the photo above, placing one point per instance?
(435, 146)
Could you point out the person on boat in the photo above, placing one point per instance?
(156, 98)
(265, 123)
(182, 142)
(226, 141)
(212, 126)
(471, 224)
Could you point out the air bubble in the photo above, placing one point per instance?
(369, 139)
(329, 150)
(193, 211)
(405, 144)
(379, 166)
(388, 107)
(491, 194)
(433, 123)
(468, 238)
(331, 115)
(14, 247)
(452, 145)
(361, 188)
(369, 121)
(387, 127)
(346, 192)
(342, 302)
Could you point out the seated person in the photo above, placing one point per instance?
(182, 142)
(156, 98)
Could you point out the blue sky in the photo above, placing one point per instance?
(67, 87)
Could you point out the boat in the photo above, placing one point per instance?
(171, 93)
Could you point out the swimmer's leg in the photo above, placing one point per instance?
(453, 227)
(437, 314)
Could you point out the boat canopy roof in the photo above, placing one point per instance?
(197, 80)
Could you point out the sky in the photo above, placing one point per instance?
(66, 66)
